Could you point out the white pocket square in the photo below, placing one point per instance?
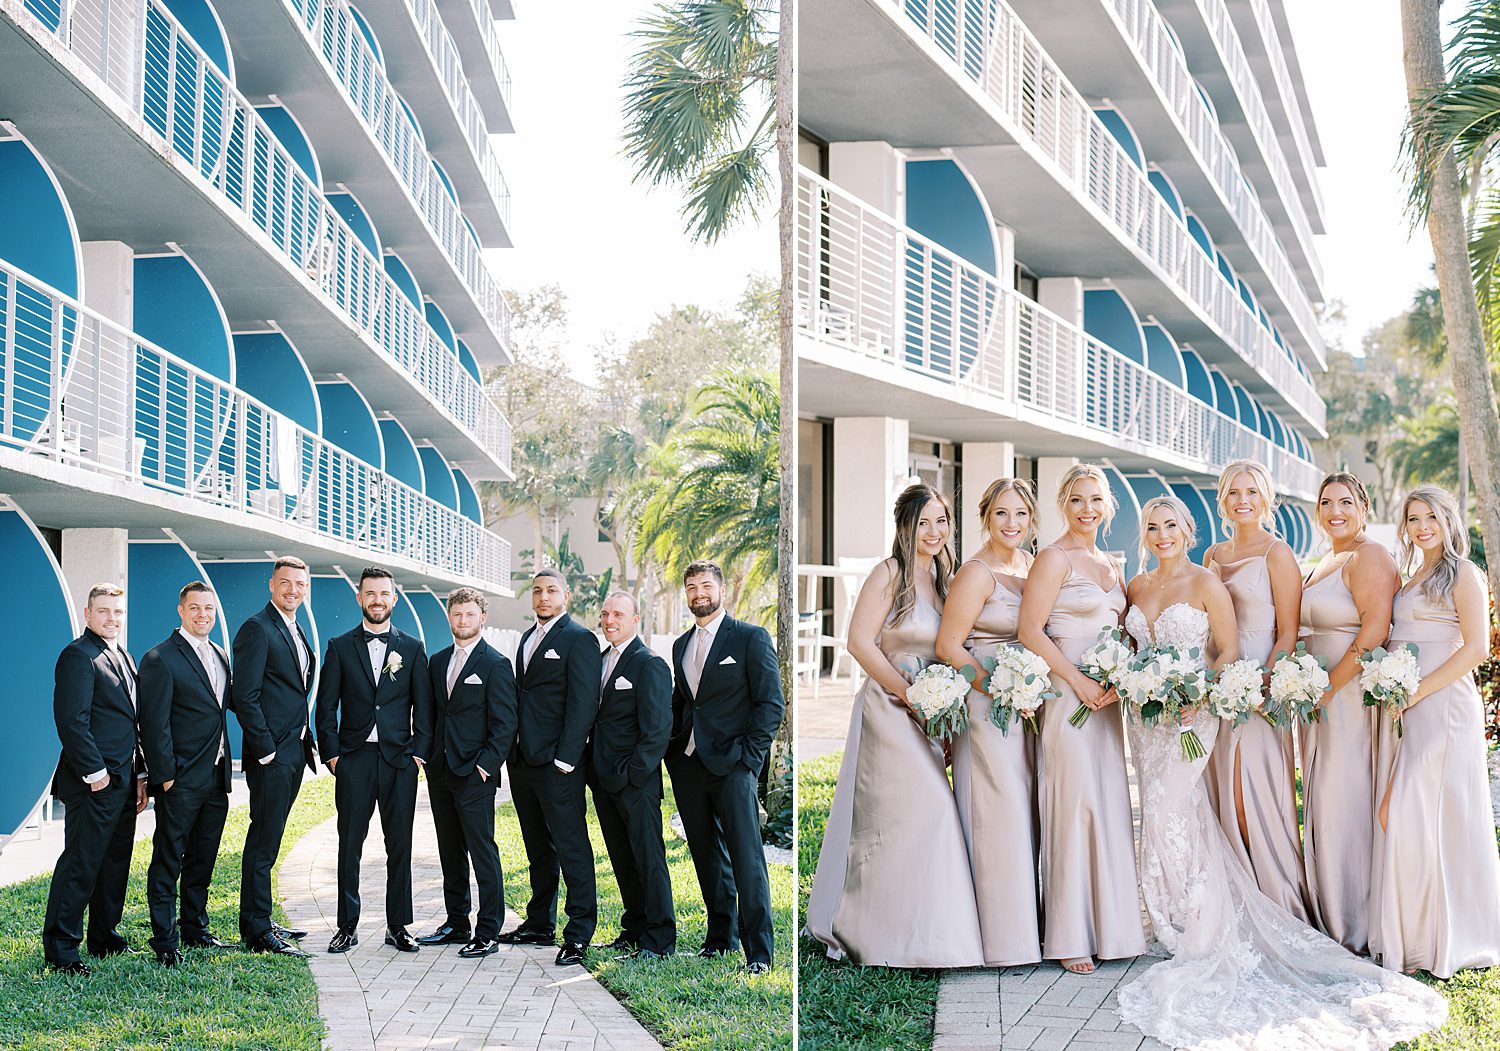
(475, 679)
(623, 683)
(551, 655)
(727, 660)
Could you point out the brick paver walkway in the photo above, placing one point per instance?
(1040, 1008)
(375, 998)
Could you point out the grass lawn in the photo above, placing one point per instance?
(845, 1006)
(220, 998)
(687, 1003)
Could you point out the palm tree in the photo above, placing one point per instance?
(1453, 123)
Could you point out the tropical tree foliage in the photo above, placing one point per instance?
(587, 590)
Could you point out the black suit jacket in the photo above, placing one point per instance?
(739, 704)
(95, 718)
(635, 719)
(181, 720)
(268, 693)
(557, 696)
(477, 725)
(350, 702)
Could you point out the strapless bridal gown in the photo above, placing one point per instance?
(1244, 973)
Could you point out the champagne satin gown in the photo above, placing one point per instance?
(1253, 767)
(994, 781)
(1435, 884)
(892, 886)
(1089, 886)
(1338, 777)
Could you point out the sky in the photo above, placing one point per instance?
(616, 248)
(1350, 51)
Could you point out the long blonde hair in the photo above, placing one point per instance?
(1077, 473)
(998, 488)
(1186, 522)
(908, 513)
(1438, 587)
(1262, 481)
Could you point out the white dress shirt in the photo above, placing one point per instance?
(703, 637)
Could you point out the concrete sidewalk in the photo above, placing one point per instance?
(374, 998)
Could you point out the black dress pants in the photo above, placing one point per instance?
(463, 812)
(630, 821)
(552, 812)
(189, 825)
(92, 871)
(365, 780)
(273, 789)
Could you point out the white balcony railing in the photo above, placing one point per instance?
(1289, 95)
(348, 57)
(881, 291)
(201, 117)
(1163, 58)
(993, 48)
(78, 389)
(486, 19)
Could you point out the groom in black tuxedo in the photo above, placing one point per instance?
(557, 693)
(474, 727)
(374, 719)
(184, 736)
(630, 738)
(274, 665)
(726, 707)
(99, 782)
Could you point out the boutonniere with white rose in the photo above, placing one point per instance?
(393, 664)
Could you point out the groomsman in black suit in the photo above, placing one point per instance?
(474, 727)
(630, 738)
(374, 720)
(557, 693)
(99, 782)
(274, 665)
(726, 707)
(184, 687)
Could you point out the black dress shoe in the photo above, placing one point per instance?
(169, 957)
(272, 943)
(623, 944)
(401, 938)
(77, 967)
(571, 952)
(206, 940)
(757, 967)
(447, 934)
(527, 936)
(708, 954)
(478, 948)
(344, 940)
(652, 954)
(288, 933)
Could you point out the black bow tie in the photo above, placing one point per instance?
(370, 636)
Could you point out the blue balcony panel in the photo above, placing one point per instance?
(1163, 186)
(439, 322)
(290, 134)
(943, 204)
(349, 423)
(448, 186)
(404, 615)
(401, 459)
(28, 651)
(335, 604)
(1123, 133)
(49, 12)
(1200, 236)
(1125, 531)
(401, 274)
(1224, 399)
(1205, 521)
(363, 24)
(1163, 356)
(469, 362)
(177, 309)
(1246, 407)
(38, 233)
(1109, 318)
(440, 485)
(353, 213)
(201, 20)
(468, 497)
(269, 368)
(433, 616)
(1210, 497)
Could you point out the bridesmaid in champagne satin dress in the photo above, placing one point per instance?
(1089, 887)
(994, 773)
(892, 886)
(1435, 886)
(1251, 780)
(1346, 610)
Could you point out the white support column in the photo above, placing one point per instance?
(1049, 472)
(983, 463)
(95, 556)
(869, 468)
(1063, 296)
(1005, 262)
(109, 280)
(872, 171)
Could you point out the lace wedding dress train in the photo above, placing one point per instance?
(1243, 973)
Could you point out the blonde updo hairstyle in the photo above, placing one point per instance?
(998, 488)
(1438, 587)
(1261, 479)
(1077, 473)
(1361, 497)
(1185, 521)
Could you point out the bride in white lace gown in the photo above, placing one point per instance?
(1244, 974)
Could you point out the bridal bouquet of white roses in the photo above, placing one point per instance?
(1165, 681)
(1018, 682)
(1236, 692)
(1389, 677)
(1298, 681)
(1104, 662)
(939, 695)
